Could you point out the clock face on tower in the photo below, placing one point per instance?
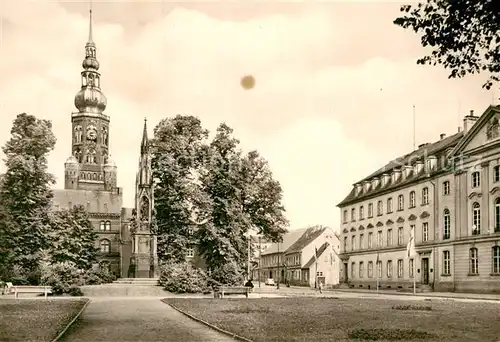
(91, 133)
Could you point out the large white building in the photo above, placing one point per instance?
(449, 192)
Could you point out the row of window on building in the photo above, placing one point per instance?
(389, 207)
(476, 229)
(475, 183)
(446, 265)
(379, 243)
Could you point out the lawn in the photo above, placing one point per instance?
(330, 319)
(36, 319)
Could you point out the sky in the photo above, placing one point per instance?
(336, 82)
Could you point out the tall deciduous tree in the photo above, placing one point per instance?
(214, 190)
(178, 151)
(25, 192)
(73, 238)
(243, 197)
(222, 238)
(464, 35)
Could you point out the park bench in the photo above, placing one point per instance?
(31, 289)
(6, 288)
(220, 291)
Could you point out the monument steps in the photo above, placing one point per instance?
(125, 287)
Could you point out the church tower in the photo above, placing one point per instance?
(144, 240)
(90, 167)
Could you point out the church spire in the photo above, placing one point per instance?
(90, 41)
(144, 143)
(90, 99)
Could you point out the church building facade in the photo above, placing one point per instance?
(126, 239)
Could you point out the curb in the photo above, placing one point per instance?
(225, 332)
(61, 334)
(422, 294)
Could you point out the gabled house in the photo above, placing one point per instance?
(268, 267)
(313, 255)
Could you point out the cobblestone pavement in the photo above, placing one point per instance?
(137, 319)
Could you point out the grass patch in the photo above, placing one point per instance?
(346, 319)
(36, 319)
(412, 307)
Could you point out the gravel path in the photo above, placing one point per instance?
(137, 319)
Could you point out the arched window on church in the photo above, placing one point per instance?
(108, 225)
(94, 176)
(100, 176)
(105, 246)
(102, 225)
(88, 176)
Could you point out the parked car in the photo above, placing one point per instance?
(270, 282)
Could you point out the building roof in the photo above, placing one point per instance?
(95, 201)
(437, 149)
(309, 236)
(288, 240)
(321, 250)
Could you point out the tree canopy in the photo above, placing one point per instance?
(25, 192)
(209, 193)
(464, 35)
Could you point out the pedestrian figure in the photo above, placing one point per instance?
(319, 287)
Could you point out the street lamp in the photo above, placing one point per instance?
(278, 283)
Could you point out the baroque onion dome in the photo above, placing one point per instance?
(90, 99)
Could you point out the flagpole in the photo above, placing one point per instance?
(316, 268)
(414, 278)
(414, 142)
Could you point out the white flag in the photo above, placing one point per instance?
(410, 247)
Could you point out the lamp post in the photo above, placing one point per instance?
(248, 256)
(260, 257)
(278, 284)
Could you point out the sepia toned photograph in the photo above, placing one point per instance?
(249, 170)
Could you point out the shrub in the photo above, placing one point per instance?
(183, 278)
(229, 274)
(98, 275)
(296, 282)
(75, 291)
(61, 276)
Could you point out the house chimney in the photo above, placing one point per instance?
(469, 121)
(442, 136)
(422, 145)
